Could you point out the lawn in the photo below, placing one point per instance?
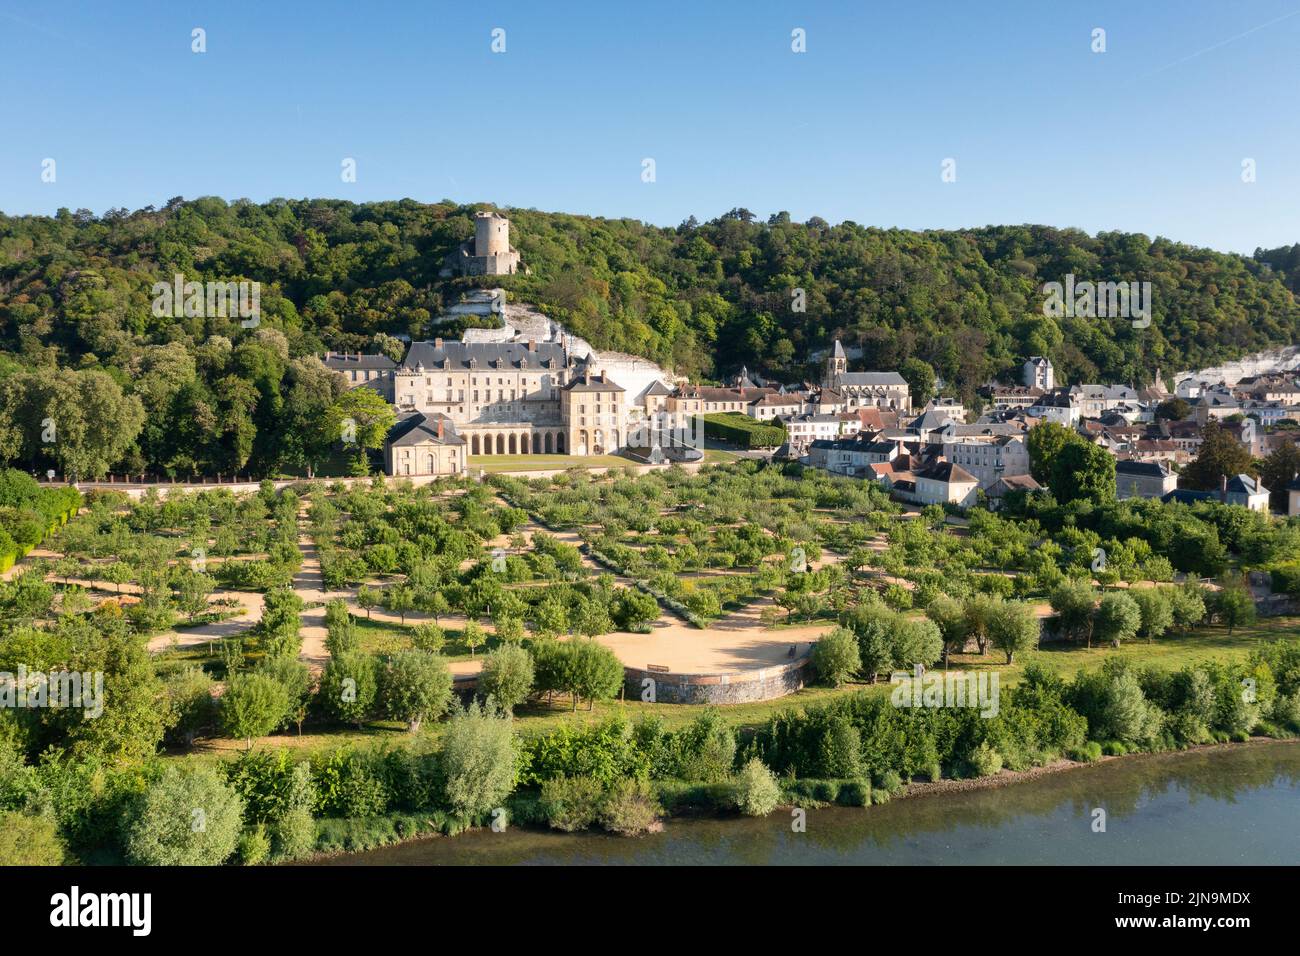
(494, 464)
(1170, 652)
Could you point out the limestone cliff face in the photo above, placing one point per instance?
(522, 323)
(1261, 363)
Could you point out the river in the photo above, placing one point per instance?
(1219, 806)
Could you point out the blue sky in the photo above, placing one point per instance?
(1148, 136)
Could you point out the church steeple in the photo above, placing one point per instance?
(837, 363)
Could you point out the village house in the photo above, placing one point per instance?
(1143, 479)
(989, 461)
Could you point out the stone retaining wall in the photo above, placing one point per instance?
(738, 688)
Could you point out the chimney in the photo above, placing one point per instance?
(1223, 488)
(437, 343)
(440, 429)
(532, 345)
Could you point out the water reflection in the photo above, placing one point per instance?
(1235, 805)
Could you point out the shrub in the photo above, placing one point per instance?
(477, 760)
(185, 818)
(835, 656)
(254, 846)
(856, 793)
(29, 840)
(890, 782)
(347, 785)
(572, 803)
(630, 808)
(983, 761)
(756, 792)
(705, 750)
(1089, 752)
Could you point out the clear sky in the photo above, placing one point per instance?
(1148, 136)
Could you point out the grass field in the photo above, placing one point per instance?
(499, 463)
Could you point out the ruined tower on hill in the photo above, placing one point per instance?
(489, 253)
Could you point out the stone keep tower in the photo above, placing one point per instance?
(491, 235)
(493, 255)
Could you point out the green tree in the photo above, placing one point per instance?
(507, 676)
(920, 378)
(1013, 628)
(1073, 601)
(949, 616)
(361, 418)
(1233, 607)
(367, 598)
(1157, 612)
(1278, 470)
(1116, 619)
(187, 817)
(348, 688)
(414, 686)
(1220, 456)
(591, 671)
(477, 760)
(1083, 471)
(835, 656)
(253, 706)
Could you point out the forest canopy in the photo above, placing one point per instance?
(75, 294)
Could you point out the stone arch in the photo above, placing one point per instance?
(547, 446)
(473, 444)
(501, 444)
(430, 469)
(512, 445)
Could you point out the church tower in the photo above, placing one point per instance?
(837, 363)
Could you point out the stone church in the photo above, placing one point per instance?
(864, 389)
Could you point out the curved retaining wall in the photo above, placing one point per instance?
(737, 688)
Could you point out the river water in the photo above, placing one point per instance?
(1230, 805)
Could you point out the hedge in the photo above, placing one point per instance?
(736, 428)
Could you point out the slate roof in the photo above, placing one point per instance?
(947, 472)
(871, 378)
(485, 355)
(1245, 485)
(1143, 469)
(345, 361)
(594, 383)
(930, 421)
(420, 428)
